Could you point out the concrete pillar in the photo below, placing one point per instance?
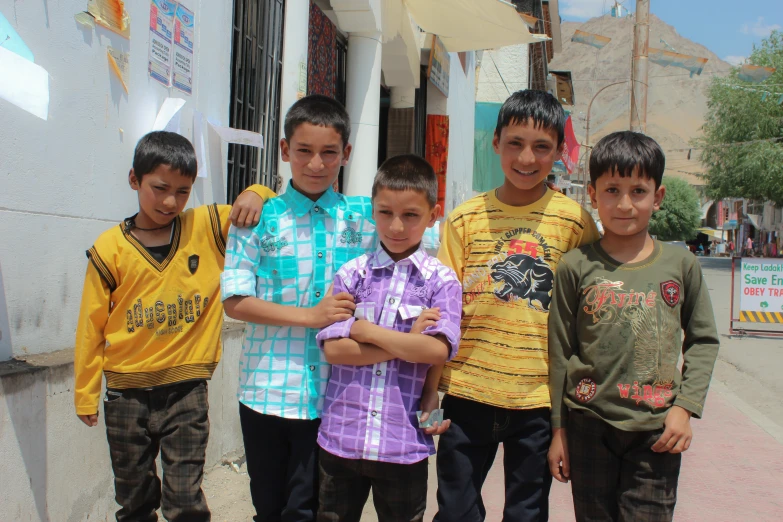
(363, 106)
(297, 22)
(403, 97)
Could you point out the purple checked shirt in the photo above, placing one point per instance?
(370, 411)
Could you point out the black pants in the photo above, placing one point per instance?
(173, 420)
(466, 452)
(282, 462)
(399, 491)
(615, 476)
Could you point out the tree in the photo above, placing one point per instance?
(739, 111)
(680, 213)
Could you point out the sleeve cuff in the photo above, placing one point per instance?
(560, 421)
(264, 192)
(339, 330)
(451, 334)
(237, 282)
(686, 404)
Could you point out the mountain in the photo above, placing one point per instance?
(676, 102)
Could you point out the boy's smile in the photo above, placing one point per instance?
(401, 218)
(527, 153)
(316, 154)
(625, 204)
(163, 194)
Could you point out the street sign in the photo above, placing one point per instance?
(761, 290)
(439, 66)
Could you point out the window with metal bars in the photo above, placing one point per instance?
(257, 63)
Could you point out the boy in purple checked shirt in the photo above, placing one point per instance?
(408, 311)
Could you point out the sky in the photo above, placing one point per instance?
(727, 28)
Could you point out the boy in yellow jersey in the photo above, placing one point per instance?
(504, 245)
(150, 322)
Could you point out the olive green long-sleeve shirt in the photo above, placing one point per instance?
(616, 334)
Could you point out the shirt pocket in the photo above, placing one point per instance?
(365, 311)
(409, 313)
(277, 278)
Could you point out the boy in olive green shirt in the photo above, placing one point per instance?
(621, 408)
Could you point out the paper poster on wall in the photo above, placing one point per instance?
(11, 40)
(120, 64)
(111, 14)
(24, 84)
(168, 117)
(199, 143)
(184, 49)
(161, 36)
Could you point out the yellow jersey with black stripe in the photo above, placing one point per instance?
(506, 258)
(145, 323)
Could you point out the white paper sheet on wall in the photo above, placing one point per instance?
(238, 136)
(24, 84)
(199, 143)
(168, 115)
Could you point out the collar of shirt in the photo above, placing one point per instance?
(301, 204)
(420, 259)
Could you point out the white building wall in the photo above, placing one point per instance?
(502, 72)
(461, 105)
(64, 180)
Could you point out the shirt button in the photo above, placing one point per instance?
(312, 367)
(391, 300)
(374, 413)
(350, 216)
(274, 271)
(320, 255)
(318, 294)
(317, 209)
(378, 373)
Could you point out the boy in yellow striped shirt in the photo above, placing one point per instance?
(505, 245)
(150, 322)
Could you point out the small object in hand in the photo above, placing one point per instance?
(435, 416)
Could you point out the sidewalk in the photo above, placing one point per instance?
(732, 472)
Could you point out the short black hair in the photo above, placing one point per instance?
(407, 172)
(164, 148)
(540, 107)
(319, 110)
(625, 151)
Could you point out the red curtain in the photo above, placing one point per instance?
(437, 152)
(321, 54)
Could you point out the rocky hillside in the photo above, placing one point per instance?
(676, 104)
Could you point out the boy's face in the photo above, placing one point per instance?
(527, 154)
(316, 154)
(401, 217)
(163, 194)
(625, 205)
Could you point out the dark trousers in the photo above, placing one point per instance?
(466, 453)
(615, 476)
(282, 462)
(173, 420)
(399, 491)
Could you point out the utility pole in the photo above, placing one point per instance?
(641, 45)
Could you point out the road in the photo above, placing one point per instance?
(732, 472)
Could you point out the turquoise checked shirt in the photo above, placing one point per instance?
(290, 258)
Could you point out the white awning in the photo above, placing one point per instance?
(755, 219)
(472, 25)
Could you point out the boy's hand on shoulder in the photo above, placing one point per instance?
(559, 465)
(331, 309)
(89, 420)
(246, 210)
(677, 434)
(428, 317)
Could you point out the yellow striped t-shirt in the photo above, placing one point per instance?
(506, 257)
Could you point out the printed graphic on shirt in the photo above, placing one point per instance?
(670, 291)
(169, 317)
(653, 327)
(585, 389)
(350, 237)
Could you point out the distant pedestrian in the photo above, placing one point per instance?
(151, 322)
(749, 247)
(621, 409)
(731, 248)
